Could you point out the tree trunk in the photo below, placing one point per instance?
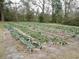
(43, 8)
(2, 16)
(1, 12)
(65, 15)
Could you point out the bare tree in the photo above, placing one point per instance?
(56, 8)
(29, 11)
(40, 4)
(68, 7)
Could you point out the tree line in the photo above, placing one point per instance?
(53, 11)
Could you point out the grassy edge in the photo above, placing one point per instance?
(2, 49)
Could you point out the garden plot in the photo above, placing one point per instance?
(57, 41)
(51, 34)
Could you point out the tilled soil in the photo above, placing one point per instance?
(12, 51)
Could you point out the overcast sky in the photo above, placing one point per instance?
(15, 0)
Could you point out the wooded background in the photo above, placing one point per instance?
(51, 11)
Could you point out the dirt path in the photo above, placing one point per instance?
(11, 52)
